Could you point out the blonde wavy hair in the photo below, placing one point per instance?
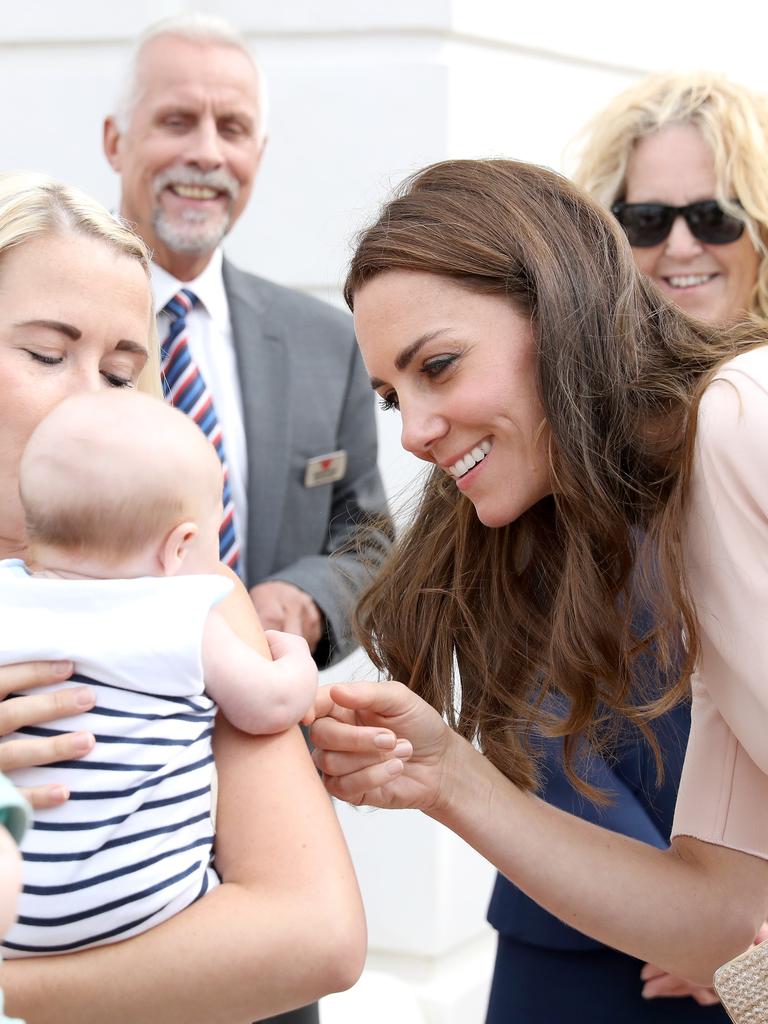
(733, 121)
(33, 204)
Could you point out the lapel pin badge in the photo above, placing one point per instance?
(325, 469)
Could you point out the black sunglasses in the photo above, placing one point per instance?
(648, 224)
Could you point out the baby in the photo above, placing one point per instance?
(122, 497)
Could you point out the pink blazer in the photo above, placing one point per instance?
(723, 795)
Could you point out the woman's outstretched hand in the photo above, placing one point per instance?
(18, 712)
(379, 744)
(657, 983)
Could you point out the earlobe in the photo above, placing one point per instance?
(111, 143)
(175, 547)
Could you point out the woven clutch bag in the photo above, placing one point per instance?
(742, 985)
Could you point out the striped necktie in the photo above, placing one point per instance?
(185, 388)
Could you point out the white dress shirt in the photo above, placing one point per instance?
(212, 347)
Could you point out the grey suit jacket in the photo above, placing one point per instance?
(305, 393)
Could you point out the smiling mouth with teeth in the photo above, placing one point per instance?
(470, 460)
(688, 280)
(195, 192)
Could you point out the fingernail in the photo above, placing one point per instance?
(394, 767)
(82, 742)
(64, 668)
(59, 793)
(84, 698)
(384, 740)
(403, 749)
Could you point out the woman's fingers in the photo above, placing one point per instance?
(651, 971)
(16, 712)
(706, 997)
(25, 753)
(661, 984)
(325, 706)
(43, 797)
(387, 699)
(357, 716)
(335, 763)
(379, 744)
(367, 786)
(33, 673)
(331, 734)
(350, 716)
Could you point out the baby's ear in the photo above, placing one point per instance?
(175, 547)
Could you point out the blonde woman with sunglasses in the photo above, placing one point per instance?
(681, 160)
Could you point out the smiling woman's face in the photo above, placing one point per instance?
(74, 316)
(675, 166)
(460, 367)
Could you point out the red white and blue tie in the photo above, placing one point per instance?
(184, 387)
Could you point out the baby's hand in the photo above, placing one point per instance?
(259, 694)
(292, 653)
(283, 644)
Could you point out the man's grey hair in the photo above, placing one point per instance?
(197, 28)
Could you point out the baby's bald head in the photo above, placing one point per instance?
(110, 473)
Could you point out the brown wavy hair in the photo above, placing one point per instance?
(537, 616)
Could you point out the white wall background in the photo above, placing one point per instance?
(362, 92)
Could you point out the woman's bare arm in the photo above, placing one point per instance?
(688, 909)
(284, 928)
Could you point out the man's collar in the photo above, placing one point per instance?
(207, 286)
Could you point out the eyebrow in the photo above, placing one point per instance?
(53, 325)
(406, 355)
(124, 345)
(74, 333)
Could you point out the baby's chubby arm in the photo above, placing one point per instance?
(257, 695)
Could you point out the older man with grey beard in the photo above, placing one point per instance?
(272, 376)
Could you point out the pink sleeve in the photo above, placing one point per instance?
(723, 794)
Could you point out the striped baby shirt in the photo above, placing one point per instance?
(133, 845)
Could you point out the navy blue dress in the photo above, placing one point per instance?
(548, 973)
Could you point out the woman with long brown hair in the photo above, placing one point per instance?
(594, 448)
(668, 157)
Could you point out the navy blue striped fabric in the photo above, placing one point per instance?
(96, 877)
(134, 843)
(108, 876)
(102, 738)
